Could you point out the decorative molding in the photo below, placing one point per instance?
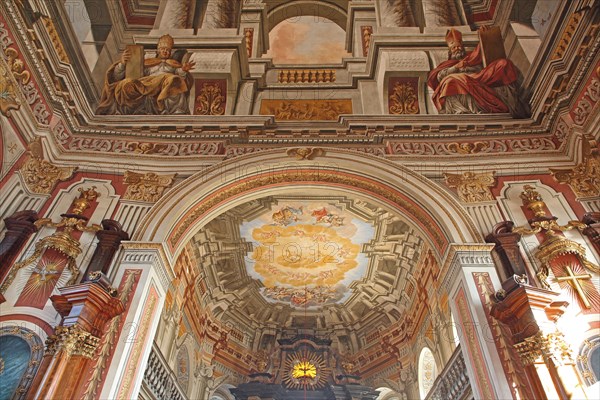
(465, 255)
(211, 97)
(492, 146)
(8, 93)
(472, 187)
(567, 35)
(477, 360)
(584, 359)
(147, 187)
(22, 76)
(305, 153)
(164, 149)
(55, 39)
(143, 253)
(249, 39)
(306, 110)
(588, 101)
(366, 33)
(403, 96)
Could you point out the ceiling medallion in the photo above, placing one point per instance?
(305, 370)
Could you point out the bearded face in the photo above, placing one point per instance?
(456, 51)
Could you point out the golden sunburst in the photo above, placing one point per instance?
(305, 370)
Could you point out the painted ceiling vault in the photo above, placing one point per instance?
(307, 253)
(326, 259)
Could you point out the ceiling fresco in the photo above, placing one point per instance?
(306, 253)
(307, 40)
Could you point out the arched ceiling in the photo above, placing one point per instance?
(314, 261)
(334, 10)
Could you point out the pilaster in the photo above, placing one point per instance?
(133, 343)
(463, 265)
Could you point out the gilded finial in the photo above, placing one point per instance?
(533, 200)
(82, 203)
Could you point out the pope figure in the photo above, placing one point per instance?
(164, 88)
(463, 85)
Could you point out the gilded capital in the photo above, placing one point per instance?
(73, 340)
(148, 187)
(471, 187)
(584, 179)
(39, 175)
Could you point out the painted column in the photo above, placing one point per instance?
(396, 13)
(174, 14)
(470, 277)
(130, 343)
(440, 13)
(220, 14)
(252, 26)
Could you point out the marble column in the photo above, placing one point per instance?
(109, 240)
(221, 14)
(507, 249)
(174, 14)
(592, 220)
(20, 226)
(531, 313)
(68, 362)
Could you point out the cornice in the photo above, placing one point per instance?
(384, 135)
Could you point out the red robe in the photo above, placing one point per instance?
(500, 72)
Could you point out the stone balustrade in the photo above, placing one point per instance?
(160, 380)
(306, 76)
(453, 382)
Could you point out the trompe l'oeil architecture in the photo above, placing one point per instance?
(268, 199)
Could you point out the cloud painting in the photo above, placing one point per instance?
(307, 40)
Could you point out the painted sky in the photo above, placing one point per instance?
(307, 40)
(309, 244)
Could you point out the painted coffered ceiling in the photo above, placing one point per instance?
(307, 261)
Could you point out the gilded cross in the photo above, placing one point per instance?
(574, 279)
(12, 147)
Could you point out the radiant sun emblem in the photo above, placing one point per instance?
(304, 370)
